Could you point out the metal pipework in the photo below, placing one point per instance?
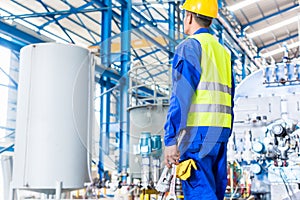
(156, 153)
(145, 150)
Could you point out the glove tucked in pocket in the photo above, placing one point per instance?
(183, 169)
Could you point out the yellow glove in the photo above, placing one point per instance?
(183, 169)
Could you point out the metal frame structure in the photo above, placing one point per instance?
(126, 21)
(131, 23)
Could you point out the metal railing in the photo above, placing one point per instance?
(149, 85)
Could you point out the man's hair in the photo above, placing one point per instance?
(202, 20)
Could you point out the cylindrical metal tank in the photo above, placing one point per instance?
(53, 117)
(148, 118)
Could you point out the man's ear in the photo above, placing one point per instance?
(190, 18)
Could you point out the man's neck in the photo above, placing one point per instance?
(194, 29)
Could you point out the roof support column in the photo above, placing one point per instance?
(233, 58)
(105, 57)
(171, 28)
(125, 65)
(243, 66)
(221, 36)
(104, 124)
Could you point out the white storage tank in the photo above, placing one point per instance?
(53, 117)
(148, 118)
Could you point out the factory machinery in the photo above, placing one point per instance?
(263, 151)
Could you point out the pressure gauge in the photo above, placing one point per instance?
(258, 147)
(256, 168)
(278, 130)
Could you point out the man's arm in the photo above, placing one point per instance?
(185, 78)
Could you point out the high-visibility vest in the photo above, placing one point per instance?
(211, 104)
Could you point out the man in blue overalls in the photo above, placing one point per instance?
(201, 104)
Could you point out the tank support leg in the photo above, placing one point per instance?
(58, 190)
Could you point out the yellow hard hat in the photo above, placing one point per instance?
(207, 8)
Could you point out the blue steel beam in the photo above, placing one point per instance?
(105, 56)
(7, 128)
(270, 16)
(9, 77)
(64, 13)
(8, 86)
(243, 66)
(125, 62)
(136, 28)
(137, 57)
(220, 3)
(149, 6)
(143, 64)
(10, 135)
(151, 24)
(22, 43)
(149, 13)
(17, 34)
(144, 35)
(277, 42)
(94, 20)
(147, 54)
(74, 9)
(110, 73)
(84, 26)
(107, 128)
(106, 28)
(155, 55)
(56, 21)
(81, 8)
(159, 13)
(171, 28)
(9, 148)
(140, 32)
(39, 28)
(179, 20)
(9, 44)
(79, 19)
(160, 73)
(104, 125)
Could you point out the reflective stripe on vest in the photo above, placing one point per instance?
(211, 103)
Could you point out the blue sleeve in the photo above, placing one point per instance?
(232, 97)
(186, 72)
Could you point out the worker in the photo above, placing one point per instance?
(201, 104)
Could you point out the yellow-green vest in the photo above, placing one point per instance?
(211, 103)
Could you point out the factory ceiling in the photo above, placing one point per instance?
(272, 25)
(266, 27)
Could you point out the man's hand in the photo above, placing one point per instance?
(172, 155)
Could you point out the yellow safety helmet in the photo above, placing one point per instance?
(207, 8)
